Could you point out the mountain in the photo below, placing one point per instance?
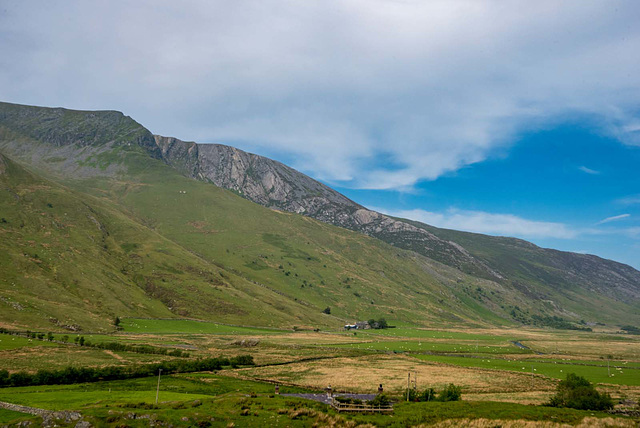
(506, 260)
(146, 228)
(274, 185)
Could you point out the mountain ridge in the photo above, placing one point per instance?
(275, 185)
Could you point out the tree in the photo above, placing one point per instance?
(577, 392)
(327, 310)
(50, 337)
(116, 322)
(81, 341)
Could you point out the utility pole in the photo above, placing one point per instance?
(158, 389)
(532, 377)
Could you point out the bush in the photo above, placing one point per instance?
(577, 392)
(451, 393)
(380, 400)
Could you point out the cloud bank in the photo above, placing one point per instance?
(362, 93)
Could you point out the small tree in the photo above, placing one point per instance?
(327, 310)
(50, 337)
(65, 338)
(577, 392)
(116, 322)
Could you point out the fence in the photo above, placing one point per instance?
(351, 407)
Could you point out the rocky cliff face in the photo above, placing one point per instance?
(272, 184)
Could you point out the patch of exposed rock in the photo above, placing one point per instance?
(274, 185)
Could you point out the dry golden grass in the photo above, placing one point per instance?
(363, 374)
(522, 397)
(493, 423)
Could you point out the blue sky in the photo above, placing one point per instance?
(511, 118)
(566, 188)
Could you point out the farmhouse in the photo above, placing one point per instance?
(360, 325)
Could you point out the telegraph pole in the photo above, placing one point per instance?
(158, 389)
(532, 377)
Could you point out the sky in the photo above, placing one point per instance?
(511, 118)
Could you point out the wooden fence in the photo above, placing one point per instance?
(351, 407)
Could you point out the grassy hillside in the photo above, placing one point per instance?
(96, 227)
(309, 262)
(580, 285)
(68, 260)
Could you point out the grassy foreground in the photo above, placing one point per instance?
(218, 400)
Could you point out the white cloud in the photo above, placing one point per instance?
(588, 170)
(336, 85)
(629, 200)
(488, 223)
(614, 218)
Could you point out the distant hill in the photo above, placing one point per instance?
(136, 227)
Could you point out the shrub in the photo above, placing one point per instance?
(380, 400)
(451, 393)
(577, 392)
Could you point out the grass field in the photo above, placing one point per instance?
(10, 342)
(432, 346)
(195, 399)
(490, 373)
(169, 326)
(619, 376)
(9, 415)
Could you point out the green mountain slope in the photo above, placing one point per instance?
(117, 231)
(72, 261)
(564, 284)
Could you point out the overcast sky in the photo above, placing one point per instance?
(412, 107)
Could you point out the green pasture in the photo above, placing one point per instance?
(181, 387)
(190, 399)
(169, 326)
(408, 332)
(596, 374)
(9, 342)
(10, 415)
(601, 362)
(438, 347)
